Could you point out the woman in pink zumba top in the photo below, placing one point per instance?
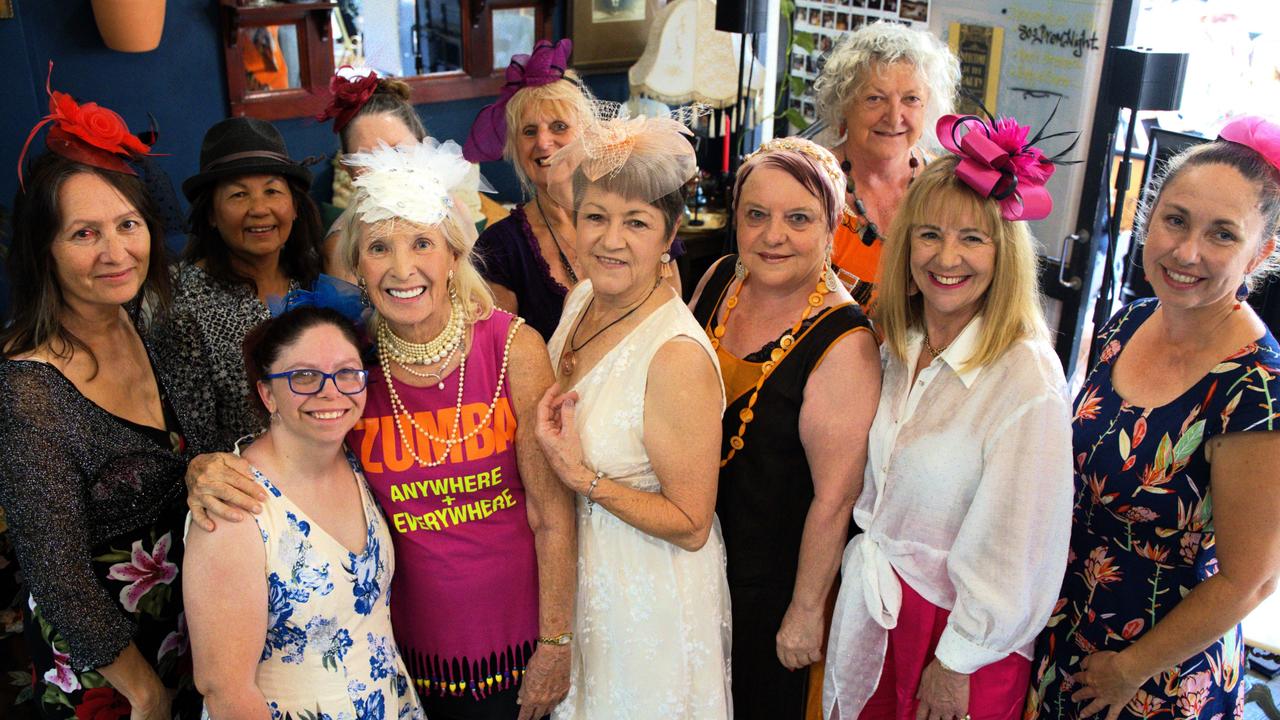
(483, 533)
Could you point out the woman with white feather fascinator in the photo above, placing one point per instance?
(481, 527)
(483, 530)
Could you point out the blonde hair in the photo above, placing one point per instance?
(567, 98)
(862, 52)
(459, 234)
(1011, 308)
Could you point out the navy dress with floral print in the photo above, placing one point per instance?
(329, 653)
(1142, 532)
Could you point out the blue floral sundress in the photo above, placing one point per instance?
(1142, 532)
(329, 652)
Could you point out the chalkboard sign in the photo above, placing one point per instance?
(1050, 55)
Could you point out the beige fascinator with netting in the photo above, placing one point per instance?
(418, 182)
(642, 158)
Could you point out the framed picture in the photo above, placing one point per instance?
(6, 9)
(610, 34)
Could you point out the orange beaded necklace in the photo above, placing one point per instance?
(788, 341)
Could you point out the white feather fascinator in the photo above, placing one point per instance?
(414, 181)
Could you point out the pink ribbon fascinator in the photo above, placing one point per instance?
(1258, 134)
(998, 162)
(545, 65)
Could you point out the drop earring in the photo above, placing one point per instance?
(664, 268)
(364, 291)
(739, 270)
(1242, 294)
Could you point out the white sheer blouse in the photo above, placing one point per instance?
(967, 498)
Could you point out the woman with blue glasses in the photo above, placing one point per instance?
(314, 569)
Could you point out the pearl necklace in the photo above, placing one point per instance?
(438, 377)
(434, 350)
(455, 433)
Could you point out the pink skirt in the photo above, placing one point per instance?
(996, 692)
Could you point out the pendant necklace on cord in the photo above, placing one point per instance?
(568, 358)
(564, 261)
(858, 220)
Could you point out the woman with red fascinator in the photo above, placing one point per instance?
(966, 497)
(1174, 536)
(366, 110)
(95, 434)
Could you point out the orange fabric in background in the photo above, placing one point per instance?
(851, 255)
(271, 72)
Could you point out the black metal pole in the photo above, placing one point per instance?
(1102, 312)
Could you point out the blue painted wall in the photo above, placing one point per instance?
(181, 83)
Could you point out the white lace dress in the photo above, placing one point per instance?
(652, 631)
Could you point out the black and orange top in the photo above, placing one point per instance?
(766, 488)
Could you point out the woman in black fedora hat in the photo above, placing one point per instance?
(254, 233)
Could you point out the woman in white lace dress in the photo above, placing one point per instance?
(636, 433)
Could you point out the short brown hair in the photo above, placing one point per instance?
(390, 98)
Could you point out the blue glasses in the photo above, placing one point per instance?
(306, 381)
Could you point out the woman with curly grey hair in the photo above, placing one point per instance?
(882, 88)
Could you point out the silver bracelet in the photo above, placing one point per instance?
(595, 481)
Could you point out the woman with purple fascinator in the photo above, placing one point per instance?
(1174, 539)
(529, 257)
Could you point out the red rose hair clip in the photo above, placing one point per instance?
(347, 96)
(998, 162)
(88, 133)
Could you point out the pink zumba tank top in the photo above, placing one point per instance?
(464, 600)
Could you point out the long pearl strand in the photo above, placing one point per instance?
(455, 437)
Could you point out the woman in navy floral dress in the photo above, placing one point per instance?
(1174, 538)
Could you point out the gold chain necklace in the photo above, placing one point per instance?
(785, 345)
(455, 437)
(935, 352)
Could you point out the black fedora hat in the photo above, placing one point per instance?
(242, 146)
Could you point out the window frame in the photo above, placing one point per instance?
(477, 78)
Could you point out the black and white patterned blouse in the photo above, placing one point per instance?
(203, 333)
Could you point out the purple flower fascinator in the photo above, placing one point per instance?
(545, 65)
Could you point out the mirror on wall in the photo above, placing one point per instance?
(280, 55)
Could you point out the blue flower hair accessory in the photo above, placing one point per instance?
(329, 292)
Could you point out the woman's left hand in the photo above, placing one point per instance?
(558, 436)
(800, 637)
(545, 683)
(943, 694)
(1105, 679)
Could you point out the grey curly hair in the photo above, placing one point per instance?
(850, 64)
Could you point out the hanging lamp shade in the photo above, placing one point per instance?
(687, 60)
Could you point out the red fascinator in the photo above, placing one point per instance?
(347, 96)
(998, 162)
(88, 133)
(1256, 133)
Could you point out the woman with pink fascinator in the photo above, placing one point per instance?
(965, 503)
(1174, 538)
(633, 428)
